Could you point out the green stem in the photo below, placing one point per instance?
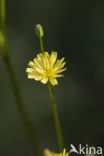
(54, 109)
(21, 106)
(41, 45)
(56, 118)
(2, 16)
(2, 23)
(19, 101)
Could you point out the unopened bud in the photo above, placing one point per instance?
(39, 31)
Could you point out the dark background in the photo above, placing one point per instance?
(74, 28)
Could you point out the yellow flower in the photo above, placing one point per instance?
(47, 152)
(46, 68)
(62, 154)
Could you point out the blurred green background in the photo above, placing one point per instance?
(74, 28)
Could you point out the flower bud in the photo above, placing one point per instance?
(39, 31)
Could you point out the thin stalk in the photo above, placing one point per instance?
(41, 45)
(2, 23)
(16, 90)
(54, 109)
(56, 117)
(21, 106)
(2, 16)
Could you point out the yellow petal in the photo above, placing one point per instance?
(46, 54)
(46, 62)
(59, 61)
(53, 81)
(31, 64)
(40, 56)
(61, 70)
(29, 70)
(64, 151)
(62, 65)
(57, 75)
(38, 63)
(38, 78)
(44, 81)
(35, 75)
(39, 70)
(53, 58)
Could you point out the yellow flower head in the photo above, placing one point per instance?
(62, 154)
(46, 68)
(47, 152)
